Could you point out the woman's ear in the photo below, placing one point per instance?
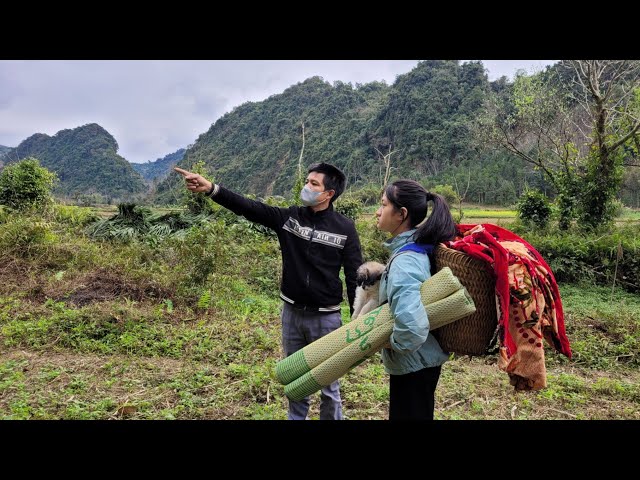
(404, 212)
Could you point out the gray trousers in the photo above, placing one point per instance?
(299, 329)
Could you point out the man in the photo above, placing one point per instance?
(316, 241)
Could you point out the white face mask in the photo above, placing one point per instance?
(309, 197)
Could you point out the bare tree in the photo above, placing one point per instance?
(299, 182)
(386, 159)
(301, 153)
(539, 129)
(462, 196)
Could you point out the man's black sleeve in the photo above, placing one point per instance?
(252, 210)
(352, 260)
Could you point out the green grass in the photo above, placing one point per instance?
(488, 213)
(629, 214)
(193, 332)
(225, 370)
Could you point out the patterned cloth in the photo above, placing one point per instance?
(527, 298)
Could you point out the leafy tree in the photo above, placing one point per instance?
(610, 95)
(571, 123)
(533, 121)
(26, 185)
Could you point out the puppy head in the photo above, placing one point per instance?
(368, 274)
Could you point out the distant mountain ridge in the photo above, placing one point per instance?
(422, 119)
(3, 150)
(160, 168)
(86, 161)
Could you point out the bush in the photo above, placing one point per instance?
(533, 208)
(22, 235)
(448, 193)
(590, 257)
(276, 201)
(75, 216)
(367, 195)
(26, 185)
(371, 241)
(615, 208)
(349, 207)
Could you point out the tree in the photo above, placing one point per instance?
(571, 125)
(300, 179)
(608, 91)
(26, 185)
(386, 159)
(533, 121)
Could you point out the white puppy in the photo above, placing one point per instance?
(368, 283)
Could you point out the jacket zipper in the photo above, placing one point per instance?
(309, 248)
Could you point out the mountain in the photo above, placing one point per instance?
(3, 150)
(159, 169)
(423, 119)
(86, 161)
(255, 147)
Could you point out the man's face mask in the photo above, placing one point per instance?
(310, 197)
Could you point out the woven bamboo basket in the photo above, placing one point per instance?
(471, 335)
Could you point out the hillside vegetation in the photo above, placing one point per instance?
(86, 162)
(156, 171)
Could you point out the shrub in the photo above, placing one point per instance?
(75, 216)
(26, 185)
(448, 193)
(367, 195)
(371, 241)
(533, 208)
(578, 257)
(21, 236)
(349, 207)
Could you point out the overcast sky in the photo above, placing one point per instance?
(155, 107)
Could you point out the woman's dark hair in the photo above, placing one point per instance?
(409, 194)
(334, 179)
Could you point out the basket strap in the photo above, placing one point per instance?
(426, 249)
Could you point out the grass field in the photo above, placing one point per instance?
(189, 328)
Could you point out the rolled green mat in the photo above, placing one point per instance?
(435, 288)
(440, 286)
(442, 312)
(338, 364)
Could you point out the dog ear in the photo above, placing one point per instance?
(361, 276)
(375, 273)
(369, 273)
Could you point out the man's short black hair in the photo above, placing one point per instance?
(334, 179)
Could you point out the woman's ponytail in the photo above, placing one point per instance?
(409, 194)
(440, 226)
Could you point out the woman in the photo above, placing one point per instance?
(412, 357)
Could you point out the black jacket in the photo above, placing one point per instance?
(314, 248)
